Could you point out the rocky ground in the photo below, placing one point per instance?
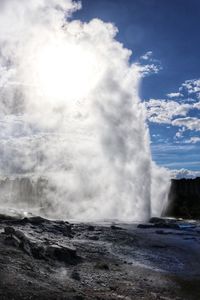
(45, 259)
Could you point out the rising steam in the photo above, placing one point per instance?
(71, 116)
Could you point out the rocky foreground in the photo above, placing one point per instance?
(44, 259)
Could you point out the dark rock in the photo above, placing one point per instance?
(162, 223)
(43, 224)
(36, 220)
(159, 246)
(114, 227)
(165, 223)
(5, 218)
(172, 223)
(163, 232)
(94, 237)
(78, 297)
(113, 288)
(12, 241)
(156, 220)
(145, 226)
(18, 239)
(38, 251)
(9, 230)
(190, 238)
(91, 228)
(76, 276)
(102, 266)
(40, 264)
(65, 229)
(21, 235)
(64, 254)
(184, 199)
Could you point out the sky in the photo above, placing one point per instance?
(165, 36)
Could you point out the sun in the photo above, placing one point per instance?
(66, 71)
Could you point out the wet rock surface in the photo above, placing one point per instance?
(46, 259)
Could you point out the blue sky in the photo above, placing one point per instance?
(165, 34)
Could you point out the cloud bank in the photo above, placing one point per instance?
(70, 113)
(184, 173)
(177, 112)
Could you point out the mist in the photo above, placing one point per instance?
(71, 118)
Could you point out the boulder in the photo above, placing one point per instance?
(61, 253)
(18, 239)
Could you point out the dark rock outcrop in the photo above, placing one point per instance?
(18, 239)
(184, 199)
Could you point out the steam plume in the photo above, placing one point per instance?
(70, 113)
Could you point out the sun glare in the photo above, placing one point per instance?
(66, 72)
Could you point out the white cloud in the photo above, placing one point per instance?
(190, 89)
(175, 113)
(147, 55)
(149, 69)
(179, 134)
(193, 140)
(175, 95)
(191, 86)
(197, 105)
(149, 65)
(184, 173)
(189, 122)
(163, 111)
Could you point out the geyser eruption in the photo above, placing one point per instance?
(71, 115)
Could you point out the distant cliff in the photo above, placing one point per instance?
(184, 199)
